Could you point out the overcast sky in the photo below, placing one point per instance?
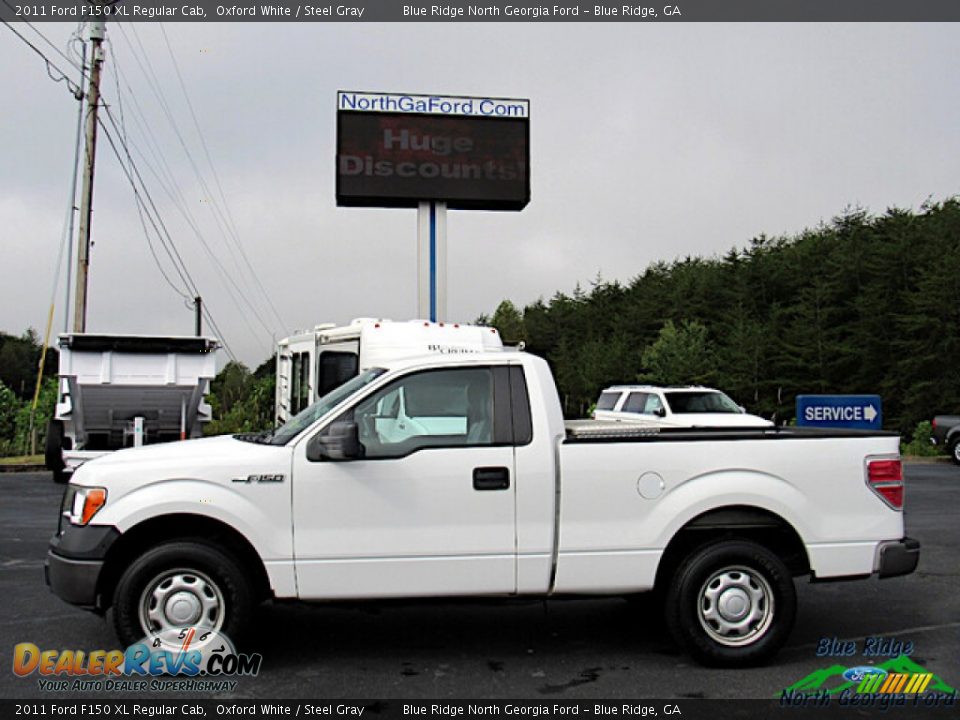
(648, 142)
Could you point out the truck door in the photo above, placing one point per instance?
(426, 511)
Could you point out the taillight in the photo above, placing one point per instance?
(885, 478)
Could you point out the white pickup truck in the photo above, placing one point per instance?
(477, 487)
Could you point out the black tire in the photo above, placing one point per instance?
(752, 583)
(53, 448)
(60, 477)
(954, 450)
(213, 568)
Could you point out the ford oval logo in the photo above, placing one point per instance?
(856, 674)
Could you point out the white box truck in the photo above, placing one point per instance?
(120, 391)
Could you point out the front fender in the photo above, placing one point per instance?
(258, 511)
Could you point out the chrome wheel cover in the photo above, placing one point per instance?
(181, 598)
(735, 606)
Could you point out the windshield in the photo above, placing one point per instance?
(304, 419)
(701, 402)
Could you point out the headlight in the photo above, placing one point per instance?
(86, 502)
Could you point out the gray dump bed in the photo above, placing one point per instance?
(106, 381)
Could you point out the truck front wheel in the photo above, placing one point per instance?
(181, 584)
(731, 604)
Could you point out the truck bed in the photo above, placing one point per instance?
(600, 431)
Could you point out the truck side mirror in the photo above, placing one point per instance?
(660, 412)
(340, 441)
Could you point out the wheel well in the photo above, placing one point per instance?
(165, 528)
(738, 522)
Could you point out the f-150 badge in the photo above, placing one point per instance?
(259, 479)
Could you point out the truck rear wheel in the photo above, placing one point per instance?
(181, 584)
(731, 604)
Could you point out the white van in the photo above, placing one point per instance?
(312, 363)
(688, 406)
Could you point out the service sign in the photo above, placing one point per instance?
(859, 412)
(400, 150)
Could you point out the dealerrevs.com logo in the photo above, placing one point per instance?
(179, 659)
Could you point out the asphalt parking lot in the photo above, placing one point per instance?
(564, 649)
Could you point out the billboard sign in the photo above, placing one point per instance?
(400, 150)
(862, 412)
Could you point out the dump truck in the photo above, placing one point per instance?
(120, 391)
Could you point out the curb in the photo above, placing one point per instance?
(926, 459)
(22, 468)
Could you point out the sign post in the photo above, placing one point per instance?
(432, 153)
(432, 261)
(857, 412)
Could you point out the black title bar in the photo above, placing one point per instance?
(483, 11)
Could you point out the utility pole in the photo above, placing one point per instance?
(97, 30)
(73, 191)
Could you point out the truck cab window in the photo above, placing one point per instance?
(436, 408)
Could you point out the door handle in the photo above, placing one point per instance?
(491, 478)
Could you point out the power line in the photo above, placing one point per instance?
(71, 85)
(231, 223)
(152, 214)
(180, 203)
(157, 222)
(154, 85)
(223, 274)
(57, 50)
(136, 194)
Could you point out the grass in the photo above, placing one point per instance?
(22, 460)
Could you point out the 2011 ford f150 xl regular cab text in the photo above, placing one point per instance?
(455, 475)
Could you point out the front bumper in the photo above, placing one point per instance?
(899, 557)
(73, 580)
(75, 561)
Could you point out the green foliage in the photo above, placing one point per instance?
(858, 305)
(241, 401)
(19, 360)
(19, 363)
(920, 444)
(15, 419)
(679, 356)
(9, 407)
(509, 323)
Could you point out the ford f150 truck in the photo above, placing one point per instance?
(456, 476)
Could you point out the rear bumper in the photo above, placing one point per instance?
(899, 557)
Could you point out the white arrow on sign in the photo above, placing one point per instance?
(870, 413)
